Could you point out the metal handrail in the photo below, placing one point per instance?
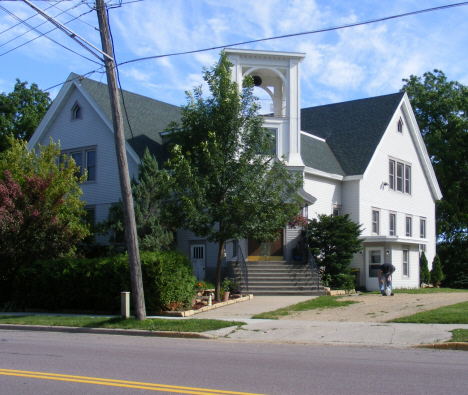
(243, 265)
(313, 267)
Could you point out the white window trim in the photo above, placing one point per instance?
(84, 156)
(400, 125)
(74, 115)
(377, 227)
(407, 263)
(409, 217)
(422, 232)
(390, 223)
(393, 165)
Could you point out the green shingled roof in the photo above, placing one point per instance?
(148, 117)
(317, 154)
(352, 131)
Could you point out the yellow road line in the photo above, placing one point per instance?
(119, 383)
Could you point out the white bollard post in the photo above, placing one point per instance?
(125, 304)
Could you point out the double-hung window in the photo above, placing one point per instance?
(405, 263)
(422, 228)
(399, 176)
(409, 225)
(85, 158)
(376, 222)
(392, 224)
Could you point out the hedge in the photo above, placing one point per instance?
(96, 284)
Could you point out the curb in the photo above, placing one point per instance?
(107, 331)
(445, 346)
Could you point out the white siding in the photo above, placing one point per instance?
(350, 199)
(419, 204)
(292, 237)
(326, 191)
(412, 280)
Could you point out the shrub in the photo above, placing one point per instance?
(95, 284)
(424, 275)
(436, 273)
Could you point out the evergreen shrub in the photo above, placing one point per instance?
(96, 284)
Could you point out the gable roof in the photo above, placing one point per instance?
(317, 154)
(352, 131)
(148, 117)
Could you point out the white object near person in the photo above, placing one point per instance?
(388, 291)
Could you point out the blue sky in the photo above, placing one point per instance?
(341, 65)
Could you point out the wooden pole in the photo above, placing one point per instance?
(126, 191)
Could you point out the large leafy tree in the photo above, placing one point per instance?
(226, 181)
(441, 108)
(332, 241)
(40, 210)
(21, 111)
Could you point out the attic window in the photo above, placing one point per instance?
(76, 111)
(400, 126)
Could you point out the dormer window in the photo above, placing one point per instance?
(400, 126)
(76, 111)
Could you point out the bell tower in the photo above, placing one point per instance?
(278, 74)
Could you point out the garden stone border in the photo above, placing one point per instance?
(188, 313)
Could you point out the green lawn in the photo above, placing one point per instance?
(190, 325)
(321, 302)
(454, 314)
(420, 291)
(459, 335)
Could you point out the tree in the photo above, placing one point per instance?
(21, 111)
(436, 273)
(40, 210)
(226, 181)
(148, 192)
(441, 109)
(332, 241)
(424, 276)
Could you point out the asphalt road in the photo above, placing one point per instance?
(214, 367)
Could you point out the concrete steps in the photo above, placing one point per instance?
(279, 278)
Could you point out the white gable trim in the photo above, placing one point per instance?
(57, 106)
(423, 155)
(313, 136)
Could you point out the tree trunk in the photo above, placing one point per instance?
(218, 269)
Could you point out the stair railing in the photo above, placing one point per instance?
(313, 267)
(243, 265)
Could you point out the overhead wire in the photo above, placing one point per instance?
(300, 33)
(66, 12)
(19, 23)
(45, 35)
(27, 31)
(287, 35)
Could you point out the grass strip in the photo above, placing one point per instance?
(322, 302)
(420, 291)
(153, 324)
(454, 314)
(459, 335)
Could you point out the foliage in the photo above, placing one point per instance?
(96, 284)
(322, 302)
(226, 181)
(40, 210)
(231, 285)
(21, 111)
(459, 335)
(454, 259)
(148, 191)
(454, 314)
(436, 273)
(158, 324)
(298, 220)
(424, 275)
(332, 241)
(441, 108)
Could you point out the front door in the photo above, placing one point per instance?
(197, 256)
(262, 251)
(374, 258)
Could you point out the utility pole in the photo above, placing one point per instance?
(130, 227)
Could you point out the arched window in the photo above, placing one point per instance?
(76, 111)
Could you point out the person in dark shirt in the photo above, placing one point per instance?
(385, 277)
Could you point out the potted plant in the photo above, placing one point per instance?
(229, 286)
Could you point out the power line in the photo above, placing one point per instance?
(19, 23)
(286, 36)
(66, 12)
(45, 35)
(27, 31)
(327, 29)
